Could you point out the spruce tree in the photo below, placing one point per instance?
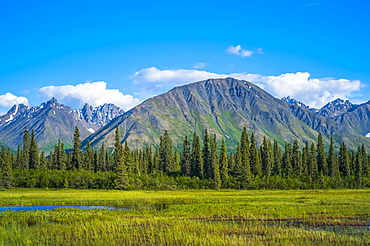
(186, 158)
(6, 176)
(365, 166)
(333, 169)
(344, 161)
(242, 164)
(321, 156)
(118, 149)
(359, 168)
(26, 150)
(121, 170)
(312, 165)
(165, 154)
(287, 160)
(254, 160)
(214, 163)
(206, 156)
(88, 158)
(267, 157)
(277, 159)
(223, 162)
(196, 158)
(296, 159)
(33, 153)
(43, 165)
(77, 161)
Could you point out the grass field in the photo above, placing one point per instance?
(201, 217)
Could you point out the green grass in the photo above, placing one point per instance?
(197, 217)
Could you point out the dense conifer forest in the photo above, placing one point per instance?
(202, 162)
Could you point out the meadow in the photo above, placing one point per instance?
(194, 217)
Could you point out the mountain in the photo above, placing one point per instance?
(336, 108)
(13, 113)
(294, 102)
(298, 103)
(224, 107)
(50, 121)
(100, 115)
(357, 118)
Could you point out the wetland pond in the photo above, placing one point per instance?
(154, 206)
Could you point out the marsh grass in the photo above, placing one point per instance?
(201, 217)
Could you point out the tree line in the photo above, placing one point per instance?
(202, 162)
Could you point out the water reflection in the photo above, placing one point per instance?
(154, 206)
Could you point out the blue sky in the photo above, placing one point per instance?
(126, 51)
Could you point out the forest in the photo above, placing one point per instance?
(201, 163)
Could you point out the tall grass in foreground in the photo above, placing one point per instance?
(188, 218)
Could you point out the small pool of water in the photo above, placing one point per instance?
(28, 208)
(154, 206)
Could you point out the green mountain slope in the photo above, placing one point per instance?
(224, 107)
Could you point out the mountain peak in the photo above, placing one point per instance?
(336, 108)
(293, 101)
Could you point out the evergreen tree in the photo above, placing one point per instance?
(365, 166)
(101, 164)
(296, 159)
(59, 157)
(206, 156)
(214, 163)
(43, 164)
(196, 158)
(254, 160)
(267, 157)
(312, 164)
(287, 160)
(186, 158)
(118, 149)
(242, 165)
(223, 162)
(333, 169)
(344, 161)
(26, 150)
(321, 156)
(165, 154)
(121, 170)
(33, 153)
(88, 157)
(359, 167)
(5, 169)
(176, 161)
(277, 159)
(151, 167)
(77, 154)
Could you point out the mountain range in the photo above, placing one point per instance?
(52, 121)
(222, 106)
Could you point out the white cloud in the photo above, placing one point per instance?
(312, 91)
(95, 94)
(237, 50)
(152, 81)
(8, 100)
(200, 65)
(234, 50)
(246, 53)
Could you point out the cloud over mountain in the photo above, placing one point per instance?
(314, 92)
(95, 94)
(8, 100)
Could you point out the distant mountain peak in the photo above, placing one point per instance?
(100, 115)
(336, 108)
(293, 101)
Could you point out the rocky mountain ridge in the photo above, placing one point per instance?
(223, 107)
(52, 121)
